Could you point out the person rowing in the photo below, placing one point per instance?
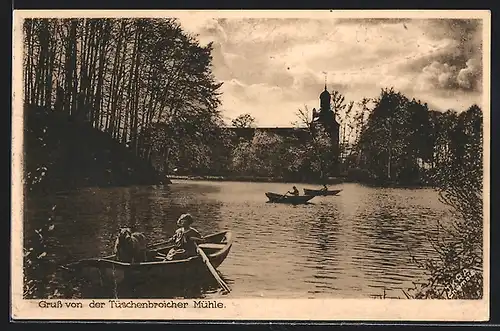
(324, 188)
(294, 191)
(185, 239)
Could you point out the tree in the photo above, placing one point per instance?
(395, 138)
(359, 119)
(458, 271)
(123, 77)
(120, 75)
(318, 153)
(343, 112)
(243, 121)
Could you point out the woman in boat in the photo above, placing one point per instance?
(294, 191)
(324, 188)
(184, 239)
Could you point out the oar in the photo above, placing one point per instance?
(214, 273)
(72, 265)
(283, 196)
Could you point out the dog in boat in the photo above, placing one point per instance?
(130, 246)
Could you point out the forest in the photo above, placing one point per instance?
(96, 92)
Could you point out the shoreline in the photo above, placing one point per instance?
(330, 181)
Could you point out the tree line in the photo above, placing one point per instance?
(123, 77)
(391, 139)
(402, 140)
(149, 86)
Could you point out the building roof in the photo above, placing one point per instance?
(324, 94)
(282, 131)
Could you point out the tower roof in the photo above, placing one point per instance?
(324, 94)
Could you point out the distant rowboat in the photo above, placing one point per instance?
(291, 199)
(320, 192)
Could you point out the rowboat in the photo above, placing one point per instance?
(320, 192)
(108, 270)
(291, 199)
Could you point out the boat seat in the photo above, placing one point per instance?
(212, 246)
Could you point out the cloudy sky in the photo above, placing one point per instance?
(273, 66)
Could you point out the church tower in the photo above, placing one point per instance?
(326, 118)
(326, 115)
(325, 100)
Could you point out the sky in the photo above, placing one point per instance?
(271, 67)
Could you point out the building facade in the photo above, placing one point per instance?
(324, 117)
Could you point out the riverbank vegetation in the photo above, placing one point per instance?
(107, 85)
(457, 273)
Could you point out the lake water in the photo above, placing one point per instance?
(354, 245)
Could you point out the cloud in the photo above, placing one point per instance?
(438, 75)
(271, 67)
(457, 65)
(470, 77)
(445, 76)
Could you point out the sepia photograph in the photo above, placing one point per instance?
(251, 165)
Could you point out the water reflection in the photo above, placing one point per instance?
(323, 254)
(353, 245)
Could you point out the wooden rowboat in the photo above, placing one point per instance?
(291, 199)
(108, 270)
(320, 192)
